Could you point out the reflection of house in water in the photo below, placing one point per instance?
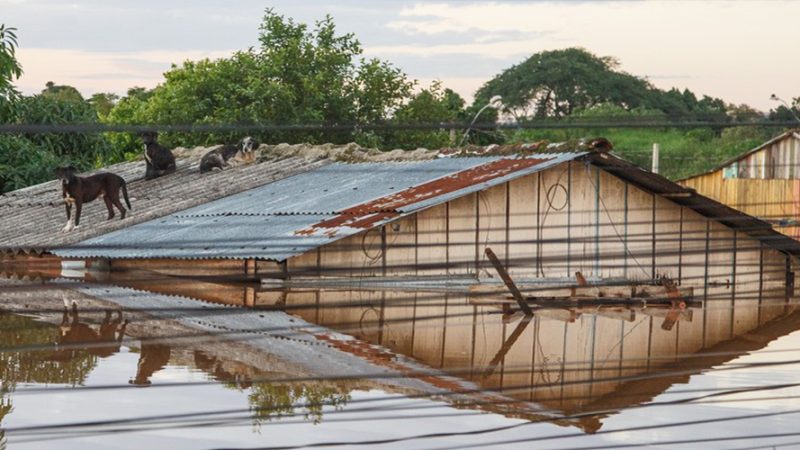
(572, 359)
(561, 357)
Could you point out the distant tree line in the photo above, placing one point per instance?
(299, 75)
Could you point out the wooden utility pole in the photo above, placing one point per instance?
(655, 157)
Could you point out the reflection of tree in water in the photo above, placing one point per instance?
(269, 401)
(35, 366)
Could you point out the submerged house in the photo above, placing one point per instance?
(763, 182)
(389, 252)
(546, 212)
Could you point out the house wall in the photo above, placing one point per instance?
(572, 217)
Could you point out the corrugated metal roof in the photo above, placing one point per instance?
(33, 217)
(305, 211)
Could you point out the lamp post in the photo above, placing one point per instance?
(495, 102)
(774, 97)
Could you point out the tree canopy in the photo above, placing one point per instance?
(559, 83)
(10, 70)
(297, 75)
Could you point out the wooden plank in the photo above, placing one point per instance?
(462, 239)
(522, 226)
(492, 226)
(401, 247)
(432, 241)
(612, 226)
(553, 221)
(508, 281)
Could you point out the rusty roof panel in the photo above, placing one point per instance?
(293, 215)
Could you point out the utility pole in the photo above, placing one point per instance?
(655, 157)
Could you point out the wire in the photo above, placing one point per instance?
(85, 128)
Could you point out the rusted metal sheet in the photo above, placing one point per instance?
(369, 214)
(294, 215)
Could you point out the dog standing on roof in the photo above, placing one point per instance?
(158, 160)
(77, 190)
(217, 159)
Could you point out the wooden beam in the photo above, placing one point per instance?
(523, 304)
(512, 339)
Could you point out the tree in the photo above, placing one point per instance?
(556, 83)
(62, 92)
(103, 102)
(431, 105)
(297, 75)
(784, 114)
(10, 69)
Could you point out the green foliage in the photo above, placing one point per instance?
(23, 163)
(431, 105)
(10, 69)
(128, 110)
(683, 152)
(103, 103)
(35, 366)
(558, 83)
(30, 159)
(62, 92)
(297, 76)
(786, 114)
(269, 401)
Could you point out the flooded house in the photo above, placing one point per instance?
(763, 182)
(551, 214)
(546, 212)
(392, 275)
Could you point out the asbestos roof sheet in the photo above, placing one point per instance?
(33, 217)
(299, 213)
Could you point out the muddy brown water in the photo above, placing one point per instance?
(342, 368)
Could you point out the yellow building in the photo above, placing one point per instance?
(763, 182)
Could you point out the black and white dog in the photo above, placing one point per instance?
(158, 160)
(218, 158)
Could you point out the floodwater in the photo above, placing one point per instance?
(181, 368)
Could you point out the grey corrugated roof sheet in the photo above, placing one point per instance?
(32, 218)
(286, 218)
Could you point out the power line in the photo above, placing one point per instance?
(85, 128)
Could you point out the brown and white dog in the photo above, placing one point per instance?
(218, 158)
(77, 190)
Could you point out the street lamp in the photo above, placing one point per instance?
(791, 111)
(495, 102)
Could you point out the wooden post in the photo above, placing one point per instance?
(655, 157)
(523, 305)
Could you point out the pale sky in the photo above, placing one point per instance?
(740, 51)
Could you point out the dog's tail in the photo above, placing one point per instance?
(125, 194)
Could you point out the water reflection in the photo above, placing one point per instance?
(571, 360)
(76, 336)
(66, 353)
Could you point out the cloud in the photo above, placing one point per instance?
(92, 72)
(733, 50)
